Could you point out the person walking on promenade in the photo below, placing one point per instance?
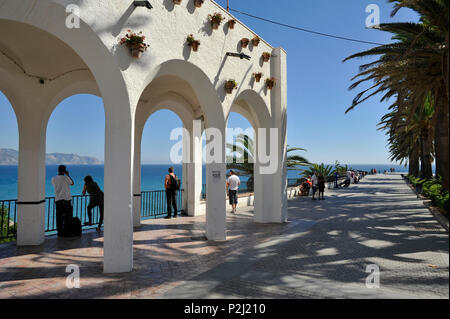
(233, 183)
(321, 186)
(171, 184)
(63, 200)
(96, 200)
(336, 179)
(315, 182)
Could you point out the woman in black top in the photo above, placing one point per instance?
(321, 186)
(96, 199)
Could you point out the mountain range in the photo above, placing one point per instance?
(11, 157)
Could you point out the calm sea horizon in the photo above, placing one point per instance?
(152, 176)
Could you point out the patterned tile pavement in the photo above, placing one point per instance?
(322, 252)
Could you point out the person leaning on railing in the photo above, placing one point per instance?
(96, 199)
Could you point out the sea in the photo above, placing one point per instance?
(152, 176)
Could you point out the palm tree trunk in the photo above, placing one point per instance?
(426, 171)
(441, 140)
(414, 162)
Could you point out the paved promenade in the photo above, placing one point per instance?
(322, 252)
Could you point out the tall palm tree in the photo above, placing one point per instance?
(416, 62)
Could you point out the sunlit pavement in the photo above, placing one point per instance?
(322, 252)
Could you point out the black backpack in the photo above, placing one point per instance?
(174, 183)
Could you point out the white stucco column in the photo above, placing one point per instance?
(279, 118)
(119, 153)
(31, 177)
(194, 170)
(137, 178)
(215, 187)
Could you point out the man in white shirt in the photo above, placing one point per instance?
(63, 199)
(315, 182)
(233, 183)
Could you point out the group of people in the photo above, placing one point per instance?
(172, 185)
(312, 184)
(63, 201)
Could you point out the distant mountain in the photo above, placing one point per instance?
(11, 157)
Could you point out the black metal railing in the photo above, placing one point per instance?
(153, 205)
(8, 219)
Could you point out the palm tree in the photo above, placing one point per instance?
(417, 62)
(325, 170)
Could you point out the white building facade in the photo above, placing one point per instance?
(45, 57)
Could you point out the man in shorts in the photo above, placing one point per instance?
(233, 183)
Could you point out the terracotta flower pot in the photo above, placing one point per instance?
(245, 42)
(266, 57)
(258, 77)
(215, 25)
(198, 3)
(137, 50)
(229, 87)
(231, 24)
(255, 41)
(177, 1)
(194, 45)
(270, 85)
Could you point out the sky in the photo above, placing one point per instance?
(318, 92)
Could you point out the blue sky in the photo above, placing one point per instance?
(318, 93)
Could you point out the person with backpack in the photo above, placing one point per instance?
(96, 199)
(171, 184)
(63, 200)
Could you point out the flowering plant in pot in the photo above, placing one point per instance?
(177, 1)
(255, 41)
(198, 3)
(266, 56)
(231, 23)
(216, 20)
(194, 44)
(270, 83)
(134, 42)
(230, 85)
(244, 42)
(257, 76)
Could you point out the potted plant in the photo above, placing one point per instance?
(198, 3)
(266, 56)
(231, 23)
(255, 41)
(134, 42)
(230, 85)
(177, 1)
(216, 20)
(270, 83)
(194, 44)
(244, 42)
(257, 76)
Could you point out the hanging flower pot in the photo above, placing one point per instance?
(255, 41)
(216, 20)
(231, 23)
(198, 3)
(266, 56)
(230, 85)
(244, 42)
(257, 76)
(270, 83)
(135, 43)
(194, 44)
(177, 1)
